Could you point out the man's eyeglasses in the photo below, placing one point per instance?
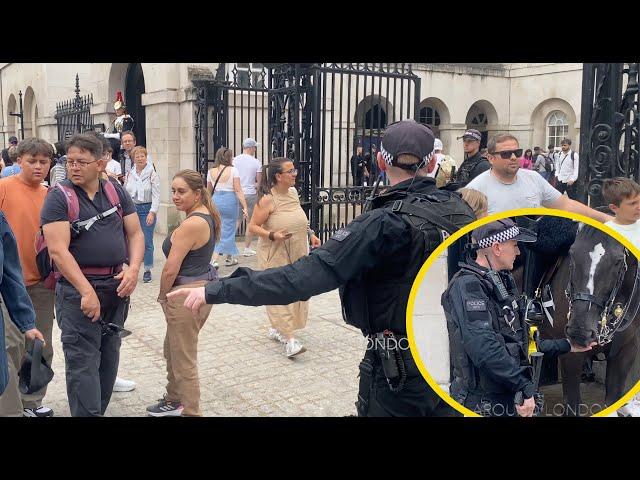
(506, 154)
(293, 171)
(73, 163)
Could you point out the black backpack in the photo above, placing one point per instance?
(548, 163)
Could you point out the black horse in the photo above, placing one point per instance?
(593, 295)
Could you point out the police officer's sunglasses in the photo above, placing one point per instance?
(506, 154)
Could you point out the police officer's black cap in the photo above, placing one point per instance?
(34, 372)
(471, 134)
(407, 137)
(501, 231)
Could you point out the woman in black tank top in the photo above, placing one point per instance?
(188, 250)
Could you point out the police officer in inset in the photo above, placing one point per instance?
(474, 163)
(374, 260)
(488, 334)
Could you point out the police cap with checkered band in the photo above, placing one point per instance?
(407, 137)
(500, 231)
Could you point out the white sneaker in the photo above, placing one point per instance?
(274, 334)
(248, 252)
(123, 385)
(293, 347)
(37, 412)
(631, 409)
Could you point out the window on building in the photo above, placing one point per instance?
(249, 74)
(375, 118)
(557, 128)
(429, 116)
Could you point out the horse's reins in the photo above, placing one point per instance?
(621, 319)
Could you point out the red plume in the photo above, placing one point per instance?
(119, 96)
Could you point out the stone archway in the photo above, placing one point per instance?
(542, 114)
(128, 78)
(372, 115)
(12, 122)
(29, 107)
(134, 88)
(483, 117)
(433, 112)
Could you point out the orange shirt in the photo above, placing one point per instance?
(21, 204)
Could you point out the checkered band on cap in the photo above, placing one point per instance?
(499, 237)
(388, 157)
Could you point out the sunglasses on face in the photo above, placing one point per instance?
(506, 154)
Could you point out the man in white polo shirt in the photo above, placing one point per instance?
(507, 186)
(250, 169)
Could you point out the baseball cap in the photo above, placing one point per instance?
(500, 231)
(471, 134)
(34, 372)
(437, 144)
(13, 140)
(407, 137)
(249, 142)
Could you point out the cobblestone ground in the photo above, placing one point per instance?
(242, 372)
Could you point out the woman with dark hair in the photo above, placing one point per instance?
(526, 161)
(188, 250)
(283, 228)
(223, 181)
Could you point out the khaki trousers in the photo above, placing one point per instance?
(12, 401)
(181, 352)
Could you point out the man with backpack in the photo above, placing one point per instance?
(21, 199)
(91, 230)
(568, 164)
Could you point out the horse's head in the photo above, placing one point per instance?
(596, 273)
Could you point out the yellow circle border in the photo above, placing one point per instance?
(452, 239)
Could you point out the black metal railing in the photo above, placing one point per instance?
(74, 115)
(609, 140)
(318, 115)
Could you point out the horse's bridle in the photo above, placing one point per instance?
(615, 317)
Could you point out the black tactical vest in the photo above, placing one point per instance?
(467, 378)
(378, 300)
(465, 173)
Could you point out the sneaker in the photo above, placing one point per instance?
(164, 408)
(146, 276)
(248, 252)
(229, 262)
(37, 412)
(274, 334)
(631, 409)
(293, 347)
(123, 385)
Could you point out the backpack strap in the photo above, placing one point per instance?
(73, 205)
(404, 207)
(112, 195)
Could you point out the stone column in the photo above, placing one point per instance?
(163, 121)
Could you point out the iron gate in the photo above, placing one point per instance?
(74, 115)
(315, 114)
(609, 140)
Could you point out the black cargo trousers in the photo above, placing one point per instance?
(91, 353)
(415, 399)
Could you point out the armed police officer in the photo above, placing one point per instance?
(474, 163)
(374, 261)
(488, 333)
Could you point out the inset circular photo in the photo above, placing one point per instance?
(532, 312)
